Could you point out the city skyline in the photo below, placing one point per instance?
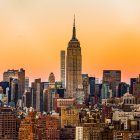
(32, 33)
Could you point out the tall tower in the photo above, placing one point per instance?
(74, 66)
(62, 67)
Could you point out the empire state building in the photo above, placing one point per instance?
(73, 66)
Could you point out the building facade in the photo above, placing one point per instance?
(8, 124)
(74, 66)
(69, 116)
(16, 74)
(62, 67)
(113, 78)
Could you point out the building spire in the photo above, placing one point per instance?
(74, 21)
(74, 30)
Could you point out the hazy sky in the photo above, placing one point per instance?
(32, 33)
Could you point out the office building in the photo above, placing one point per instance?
(8, 124)
(105, 91)
(136, 90)
(69, 116)
(62, 67)
(52, 127)
(26, 127)
(14, 87)
(92, 86)
(113, 78)
(27, 99)
(122, 89)
(16, 74)
(85, 82)
(73, 66)
(27, 83)
(36, 91)
(132, 82)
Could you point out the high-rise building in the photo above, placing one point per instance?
(69, 116)
(113, 78)
(52, 127)
(62, 67)
(73, 66)
(16, 74)
(105, 91)
(27, 99)
(92, 86)
(26, 127)
(8, 124)
(132, 82)
(85, 82)
(122, 89)
(27, 83)
(14, 92)
(36, 92)
(136, 90)
(91, 89)
(97, 95)
(40, 128)
(46, 100)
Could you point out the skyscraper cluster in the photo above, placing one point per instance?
(78, 107)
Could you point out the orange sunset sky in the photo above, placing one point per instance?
(32, 33)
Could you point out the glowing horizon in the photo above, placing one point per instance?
(34, 32)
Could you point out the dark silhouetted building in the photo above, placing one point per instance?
(132, 82)
(113, 78)
(36, 93)
(28, 99)
(122, 89)
(92, 86)
(67, 133)
(4, 85)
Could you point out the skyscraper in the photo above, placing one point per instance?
(36, 89)
(16, 74)
(27, 83)
(85, 82)
(132, 82)
(113, 78)
(74, 65)
(122, 89)
(92, 86)
(62, 68)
